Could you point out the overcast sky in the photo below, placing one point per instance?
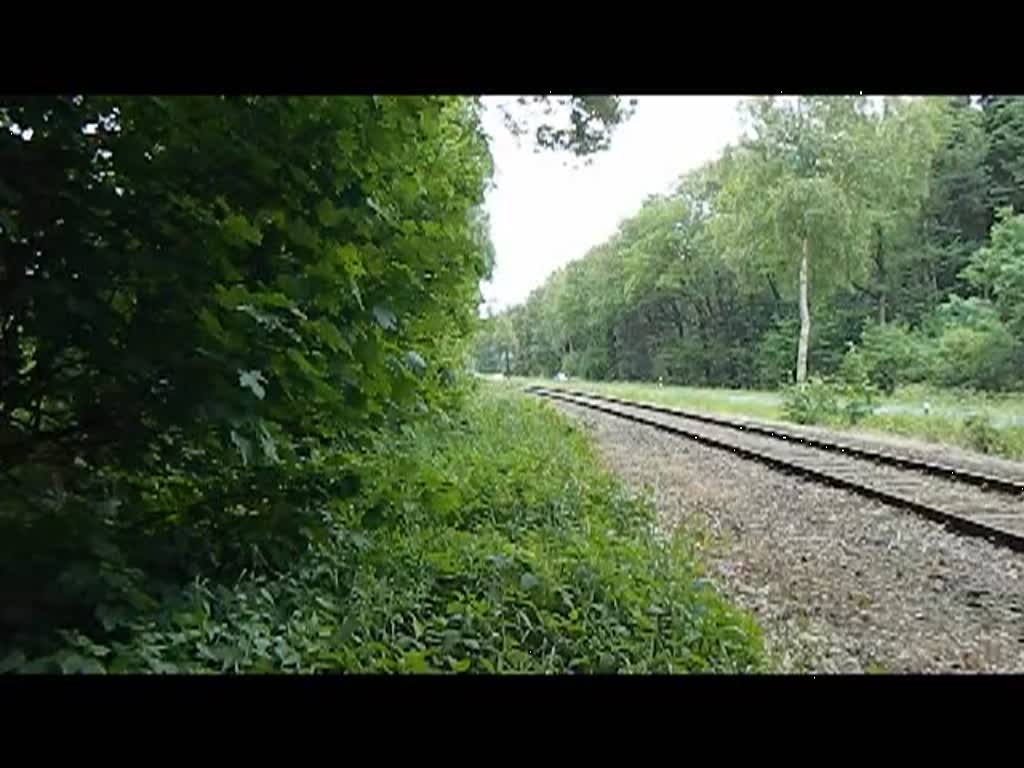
(544, 213)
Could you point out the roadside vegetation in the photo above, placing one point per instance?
(488, 541)
(237, 433)
(847, 254)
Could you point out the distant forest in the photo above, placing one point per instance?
(888, 229)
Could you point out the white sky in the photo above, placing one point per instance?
(545, 213)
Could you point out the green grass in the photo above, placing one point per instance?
(1007, 442)
(999, 406)
(490, 542)
(953, 419)
(753, 403)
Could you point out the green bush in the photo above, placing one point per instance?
(985, 358)
(857, 392)
(997, 270)
(589, 363)
(488, 542)
(845, 399)
(893, 355)
(776, 354)
(816, 402)
(973, 347)
(981, 434)
(210, 294)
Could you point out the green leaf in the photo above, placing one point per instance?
(528, 581)
(499, 560)
(243, 445)
(379, 210)
(450, 639)
(519, 659)
(74, 663)
(253, 381)
(326, 213)
(348, 626)
(93, 667)
(242, 230)
(461, 665)
(327, 605)
(416, 662)
(348, 257)
(268, 445)
(331, 336)
(417, 363)
(445, 500)
(385, 318)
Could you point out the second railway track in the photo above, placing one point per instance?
(964, 500)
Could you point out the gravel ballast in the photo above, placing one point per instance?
(838, 583)
(896, 445)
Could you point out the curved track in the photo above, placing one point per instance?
(965, 500)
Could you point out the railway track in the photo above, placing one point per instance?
(963, 499)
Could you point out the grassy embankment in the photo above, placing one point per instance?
(489, 542)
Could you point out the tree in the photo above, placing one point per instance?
(1004, 126)
(956, 214)
(860, 214)
(201, 296)
(895, 150)
(790, 197)
(996, 271)
(579, 125)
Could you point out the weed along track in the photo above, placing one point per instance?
(964, 500)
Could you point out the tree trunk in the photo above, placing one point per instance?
(776, 298)
(883, 279)
(677, 319)
(805, 321)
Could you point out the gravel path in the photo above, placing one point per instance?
(838, 583)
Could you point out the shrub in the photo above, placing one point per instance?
(976, 357)
(845, 399)
(776, 354)
(893, 355)
(814, 403)
(209, 293)
(981, 434)
(973, 347)
(997, 270)
(588, 363)
(488, 542)
(856, 389)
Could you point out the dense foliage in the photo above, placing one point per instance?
(582, 125)
(486, 542)
(202, 297)
(234, 425)
(889, 229)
